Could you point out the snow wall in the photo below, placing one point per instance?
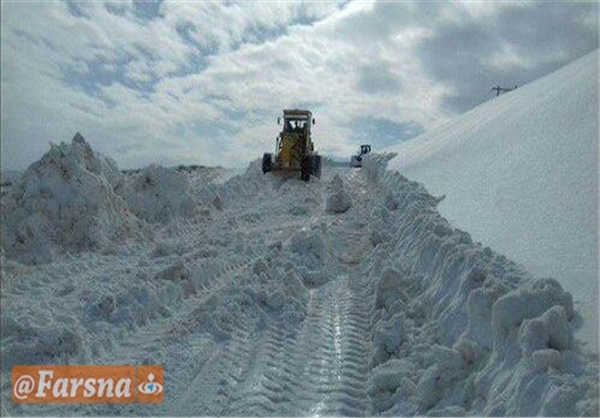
(520, 173)
(459, 329)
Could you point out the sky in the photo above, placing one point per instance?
(204, 82)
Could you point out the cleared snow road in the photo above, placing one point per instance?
(318, 368)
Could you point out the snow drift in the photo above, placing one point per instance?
(520, 173)
(75, 199)
(339, 200)
(66, 201)
(158, 194)
(458, 329)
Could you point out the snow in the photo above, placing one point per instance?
(520, 173)
(339, 201)
(486, 317)
(258, 299)
(158, 194)
(66, 201)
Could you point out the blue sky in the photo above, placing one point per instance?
(204, 82)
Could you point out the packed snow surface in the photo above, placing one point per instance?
(520, 173)
(260, 297)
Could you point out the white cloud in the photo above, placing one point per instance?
(204, 82)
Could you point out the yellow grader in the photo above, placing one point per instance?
(294, 147)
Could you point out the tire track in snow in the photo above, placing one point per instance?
(262, 376)
(337, 375)
(263, 390)
(333, 357)
(319, 369)
(208, 392)
(159, 329)
(223, 370)
(185, 355)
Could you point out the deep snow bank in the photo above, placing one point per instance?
(66, 200)
(520, 173)
(76, 199)
(458, 329)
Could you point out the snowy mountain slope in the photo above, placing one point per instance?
(268, 303)
(520, 173)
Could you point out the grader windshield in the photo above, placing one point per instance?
(296, 121)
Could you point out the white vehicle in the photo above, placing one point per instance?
(356, 160)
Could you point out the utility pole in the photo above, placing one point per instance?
(499, 90)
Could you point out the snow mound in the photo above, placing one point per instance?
(339, 201)
(529, 302)
(159, 194)
(273, 288)
(238, 188)
(243, 186)
(281, 291)
(307, 250)
(336, 183)
(469, 331)
(66, 201)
